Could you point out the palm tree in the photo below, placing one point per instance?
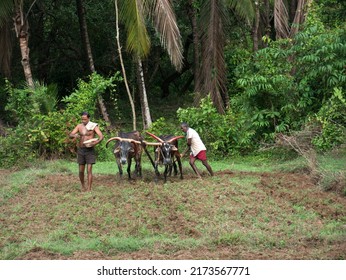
(87, 52)
(213, 26)
(134, 14)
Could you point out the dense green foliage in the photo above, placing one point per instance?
(42, 129)
(286, 86)
(223, 134)
(291, 83)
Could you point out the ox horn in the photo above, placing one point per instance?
(175, 138)
(113, 139)
(151, 143)
(129, 140)
(135, 141)
(155, 137)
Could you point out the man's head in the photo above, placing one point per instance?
(85, 117)
(184, 126)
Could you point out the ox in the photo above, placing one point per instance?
(167, 154)
(127, 147)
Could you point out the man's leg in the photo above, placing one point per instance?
(206, 164)
(81, 175)
(194, 167)
(90, 176)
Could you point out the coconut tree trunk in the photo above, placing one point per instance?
(122, 65)
(143, 96)
(267, 20)
(195, 39)
(255, 27)
(87, 52)
(21, 26)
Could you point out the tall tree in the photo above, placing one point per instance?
(192, 13)
(134, 121)
(213, 25)
(147, 121)
(134, 14)
(81, 11)
(15, 9)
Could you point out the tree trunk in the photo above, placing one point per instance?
(87, 52)
(143, 96)
(298, 18)
(255, 28)
(267, 20)
(21, 26)
(122, 65)
(195, 39)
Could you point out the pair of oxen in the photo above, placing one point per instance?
(130, 145)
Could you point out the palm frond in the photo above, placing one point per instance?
(132, 14)
(213, 71)
(243, 8)
(166, 25)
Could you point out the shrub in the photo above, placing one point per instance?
(222, 134)
(332, 119)
(42, 131)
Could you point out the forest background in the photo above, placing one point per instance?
(244, 74)
(264, 84)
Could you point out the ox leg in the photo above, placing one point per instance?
(129, 160)
(175, 168)
(138, 167)
(157, 170)
(180, 167)
(165, 173)
(119, 166)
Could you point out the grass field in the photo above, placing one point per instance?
(253, 208)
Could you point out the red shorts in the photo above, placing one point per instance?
(202, 155)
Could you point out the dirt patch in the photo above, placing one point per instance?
(179, 208)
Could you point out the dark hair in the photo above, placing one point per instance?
(184, 124)
(85, 114)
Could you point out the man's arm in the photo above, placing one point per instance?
(100, 135)
(74, 132)
(188, 147)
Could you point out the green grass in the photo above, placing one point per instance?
(249, 207)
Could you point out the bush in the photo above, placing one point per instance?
(42, 131)
(222, 134)
(332, 119)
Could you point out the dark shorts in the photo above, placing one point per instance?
(202, 155)
(86, 156)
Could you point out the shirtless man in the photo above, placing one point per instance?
(86, 155)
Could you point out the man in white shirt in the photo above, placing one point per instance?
(198, 149)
